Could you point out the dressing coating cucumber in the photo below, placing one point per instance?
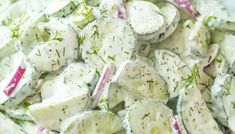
(148, 117)
(92, 122)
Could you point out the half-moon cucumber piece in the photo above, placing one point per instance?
(51, 112)
(148, 117)
(92, 122)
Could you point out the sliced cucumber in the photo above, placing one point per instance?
(81, 17)
(119, 97)
(221, 24)
(76, 77)
(177, 42)
(151, 23)
(112, 8)
(92, 122)
(51, 112)
(107, 40)
(87, 76)
(58, 50)
(218, 66)
(143, 81)
(172, 69)
(227, 48)
(223, 99)
(144, 17)
(229, 104)
(32, 35)
(7, 44)
(210, 8)
(171, 16)
(217, 91)
(148, 117)
(7, 126)
(200, 34)
(194, 112)
(61, 8)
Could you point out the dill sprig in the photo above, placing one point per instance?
(192, 77)
(96, 32)
(15, 27)
(57, 36)
(226, 87)
(87, 12)
(158, 12)
(80, 39)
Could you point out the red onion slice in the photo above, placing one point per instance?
(99, 89)
(176, 125)
(185, 4)
(15, 79)
(121, 10)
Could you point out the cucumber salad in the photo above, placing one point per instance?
(117, 67)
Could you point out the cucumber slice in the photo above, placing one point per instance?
(172, 69)
(171, 17)
(217, 91)
(223, 99)
(119, 97)
(210, 8)
(143, 81)
(58, 50)
(200, 33)
(81, 17)
(177, 42)
(61, 8)
(148, 117)
(106, 41)
(80, 75)
(51, 112)
(7, 126)
(92, 122)
(76, 77)
(157, 25)
(227, 48)
(7, 44)
(144, 17)
(218, 66)
(32, 35)
(194, 112)
(221, 24)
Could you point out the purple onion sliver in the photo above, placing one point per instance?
(176, 125)
(41, 130)
(15, 79)
(185, 4)
(122, 13)
(104, 78)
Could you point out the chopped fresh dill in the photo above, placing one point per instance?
(39, 53)
(80, 39)
(57, 36)
(57, 52)
(111, 58)
(96, 32)
(226, 87)
(192, 77)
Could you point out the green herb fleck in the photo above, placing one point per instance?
(111, 58)
(96, 32)
(192, 77)
(39, 53)
(57, 36)
(57, 52)
(80, 39)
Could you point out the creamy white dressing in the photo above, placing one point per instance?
(168, 72)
